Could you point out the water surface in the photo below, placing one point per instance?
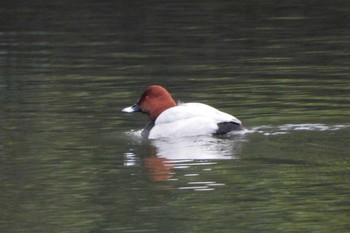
(72, 162)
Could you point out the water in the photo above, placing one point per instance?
(72, 162)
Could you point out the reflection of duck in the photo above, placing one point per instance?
(196, 148)
(158, 169)
(190, 119)
(171, 153)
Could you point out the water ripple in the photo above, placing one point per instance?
(286, 128)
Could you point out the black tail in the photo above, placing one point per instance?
(226, 127)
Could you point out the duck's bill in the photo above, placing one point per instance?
(134, 108)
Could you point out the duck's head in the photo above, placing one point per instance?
(154, 100)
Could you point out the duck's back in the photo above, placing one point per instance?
(191, 110)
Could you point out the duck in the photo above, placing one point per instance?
(171, 119)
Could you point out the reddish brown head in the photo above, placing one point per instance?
(154, 100)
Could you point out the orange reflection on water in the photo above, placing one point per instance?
(158, 168)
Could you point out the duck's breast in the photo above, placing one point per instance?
(193, 126)
(189, 119)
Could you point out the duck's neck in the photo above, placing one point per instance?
(160, 107)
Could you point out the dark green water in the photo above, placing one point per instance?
(70, 161)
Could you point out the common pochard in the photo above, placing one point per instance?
(169, 119)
